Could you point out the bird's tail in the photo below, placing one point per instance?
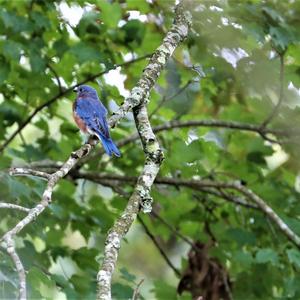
(109, 147)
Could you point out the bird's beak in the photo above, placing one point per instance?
(75, 90)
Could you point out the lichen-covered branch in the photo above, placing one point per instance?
(29, 172)
(13, 206)
(177, 33)
(139, 199)
(141, 196)
(7, 241)
(11, 250)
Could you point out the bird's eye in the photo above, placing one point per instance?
(80, 89)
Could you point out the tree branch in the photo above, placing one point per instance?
(13, 206)
(28, 172)
(60, 88)
(105, 178)
(218, 124)
(157, 62)
(33, 213)
(157, 245)
(10, 248)
(231, 198)
(154, 156)
(136, 292)
(179, 124)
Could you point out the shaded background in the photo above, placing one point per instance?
(227, 69)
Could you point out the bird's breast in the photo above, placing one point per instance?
(80, 123)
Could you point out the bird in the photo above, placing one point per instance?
(90, 116)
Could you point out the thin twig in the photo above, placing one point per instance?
(13, 206)
(60, 88)
(166, 99)
(172, 229)
(28, 172)
(157, 245)
(231, 198)
(136, 291)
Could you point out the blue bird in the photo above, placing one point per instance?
(90, 116)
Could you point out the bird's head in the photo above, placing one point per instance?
(85, 91)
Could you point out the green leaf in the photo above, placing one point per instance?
(38, 64)
(4, 70)
(36, 277)
(134, 31)
(241, 236)
(163, 290)
(12, 50)
(127, 276)
(243, 258)
(294, 256)
(281, 37)
(86, 53)
(18, 189)
(110, 13)
(266, 255)
(121, 291)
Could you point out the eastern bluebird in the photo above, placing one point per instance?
(90, 116)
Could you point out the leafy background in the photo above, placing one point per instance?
(228, 69)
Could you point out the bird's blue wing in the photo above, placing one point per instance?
(93, 112)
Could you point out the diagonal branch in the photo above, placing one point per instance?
(11, 250)
(141, 196)
(139, 199)
(13, 206)
(28, 172)
(60, 88)
(7, 240)
(158, 246)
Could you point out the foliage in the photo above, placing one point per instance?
(228, 69)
